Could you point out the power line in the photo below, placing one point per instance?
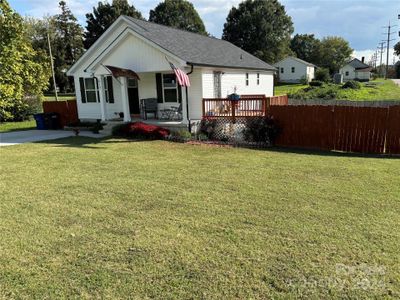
(381, 44)
(388, 46)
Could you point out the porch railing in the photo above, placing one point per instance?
(246, 106)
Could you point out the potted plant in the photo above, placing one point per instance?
(234, 95)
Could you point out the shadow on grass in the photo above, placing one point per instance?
(329, 153)
(76, 142)
(94, 143)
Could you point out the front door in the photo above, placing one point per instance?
(133, 96)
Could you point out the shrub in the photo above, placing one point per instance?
(261, 130)
(207, 127)
(352, 84)
(20, 110)
(304, 80)
(140, 130)
(316, 83)
(322, 74)
(327, 91)
(180, 136)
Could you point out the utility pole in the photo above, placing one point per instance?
(388, 46)
(381, 44)
(52, 67)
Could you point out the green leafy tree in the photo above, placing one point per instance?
(180, 14)
(103, 16)
(260, 27)
(334, 52)
(67, 46)
(66, 38)
(397, 49)
(306, 47)
(23, 71)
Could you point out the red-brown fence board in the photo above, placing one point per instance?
(393, 130)
(341, 128)
(66, 109)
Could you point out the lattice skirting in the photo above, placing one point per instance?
(227, 130)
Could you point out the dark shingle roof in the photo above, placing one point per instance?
(299, 60)
(198, 49)
(357, 64)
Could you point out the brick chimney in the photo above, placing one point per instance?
(362, 59)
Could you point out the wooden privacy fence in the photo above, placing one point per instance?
(341, 128)
(246, 106)
(66, 109)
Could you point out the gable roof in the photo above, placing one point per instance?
(198, 49)
(357, 64)
(298, 60)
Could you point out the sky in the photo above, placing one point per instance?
(360, 22)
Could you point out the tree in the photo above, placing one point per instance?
(306, 47)
(66, 38)
(334, 52)
(397, 49)
(180, 14)
(23, 72)
(260, 27)
(67, 46)
(103, 16)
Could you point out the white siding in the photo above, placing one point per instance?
(231, 79)
(208, 83)
(301, 70)
(195, 93)
(351, 72)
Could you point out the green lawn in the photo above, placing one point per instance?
(60, 98)
(13, 126)
(86, 218)
(374, 90)
(288, 88)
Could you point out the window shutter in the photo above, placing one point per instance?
(179, 94)
(110, 89)
(159, 88)
(82, 86)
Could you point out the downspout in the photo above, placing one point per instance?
(187, 101)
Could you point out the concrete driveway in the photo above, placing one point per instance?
(396, 81)
(27, 136)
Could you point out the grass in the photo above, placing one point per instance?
(60, 97)
(17, 126)
(375, 90)
(288, 88)
(85, 218)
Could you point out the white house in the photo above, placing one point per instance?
(293, 69)
(356, 70)
(129, 62)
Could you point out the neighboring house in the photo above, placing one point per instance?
(356, 70)
(129, 62)
(293, 69)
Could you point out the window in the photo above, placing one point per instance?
(247, 78)
(258, 78)
(132, 83)
(170, 88)
(108, 89)
(347, 73)
(293, 69)
(282, 70)
(90, 90)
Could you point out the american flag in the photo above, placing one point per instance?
(183, 79)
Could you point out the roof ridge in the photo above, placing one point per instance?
(174, 28)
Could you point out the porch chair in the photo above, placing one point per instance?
(148, 105)
(172, 113)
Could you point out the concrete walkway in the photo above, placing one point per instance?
(28, 136)
(396, 81)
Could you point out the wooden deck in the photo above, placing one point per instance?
(246, 106)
